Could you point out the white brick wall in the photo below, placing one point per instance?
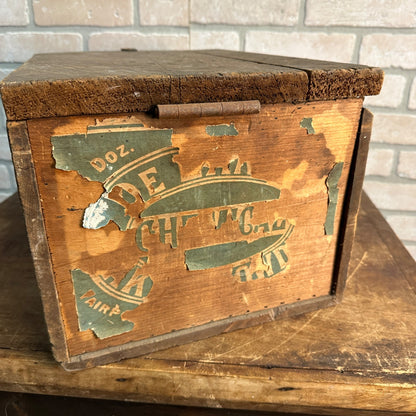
(14, 13)
(210, 39)
(365, 13)
(20, 46)
(387, 50)
(380, 33)
(391, 94)
(245, 12)
(164, 12)
(140, 41)
(83, 12)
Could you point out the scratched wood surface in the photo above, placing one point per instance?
(357, 358)
(117, 82)
(181, 298)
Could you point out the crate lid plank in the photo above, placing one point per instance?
(65, 84)
(327, 80)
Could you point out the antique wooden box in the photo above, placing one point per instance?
(171, 196)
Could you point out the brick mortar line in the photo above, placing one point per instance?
(302, 14)
(212, 27)
(304, 29)
(392, 179)
(396, 146)
(397, 213)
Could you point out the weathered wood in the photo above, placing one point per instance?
(364, 363)
(30, 199)
(327, 80)
(352, 202)
(117, 82)
(193, 297)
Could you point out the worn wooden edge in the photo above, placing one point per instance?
(191, 383)
(47, 405)
(351, 204)
(146, 80)
(184, 336)
(31, 203)
(273, 80)
(327, 80)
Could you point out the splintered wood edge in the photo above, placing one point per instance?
(327, 80)
(30, 200)
(352, 203)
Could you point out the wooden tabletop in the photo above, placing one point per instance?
(356, 358)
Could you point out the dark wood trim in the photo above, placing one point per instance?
(352, 203)
(184, 336)
(30, 200)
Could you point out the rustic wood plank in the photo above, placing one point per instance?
(327, 80)
(118, 82)
(30, 199)
(352, 202)
(364, 364)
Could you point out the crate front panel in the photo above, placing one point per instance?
(160, 225)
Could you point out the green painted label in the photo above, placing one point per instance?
(222, 130)
(139, 162)
(306, 123)
(101, 303)
(332, 185)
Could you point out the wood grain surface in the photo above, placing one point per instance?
(357, 358)
(183, 299)
(116, 82)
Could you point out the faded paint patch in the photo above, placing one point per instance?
(101, 303)
(210, 192)
(306, 123)
(220, 254)
(222, 130)
(100, 213)
(332, 185)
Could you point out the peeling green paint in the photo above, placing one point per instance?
(222, 130)
(138, 158)
(100, 213)
(210, 192)
(306, 123)
(332, 185)
(221, 254)
(100, 303)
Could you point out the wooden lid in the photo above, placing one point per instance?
(68, 84)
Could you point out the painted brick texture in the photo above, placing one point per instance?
(388, 50)
(245, 12)
(373, 32)
(20, 46)
(333, 47)
(85, 12)
(114, 41)
(14, 13)
(204, 39)
(364, 13)
(164, 12)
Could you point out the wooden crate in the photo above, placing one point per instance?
(171, 196)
